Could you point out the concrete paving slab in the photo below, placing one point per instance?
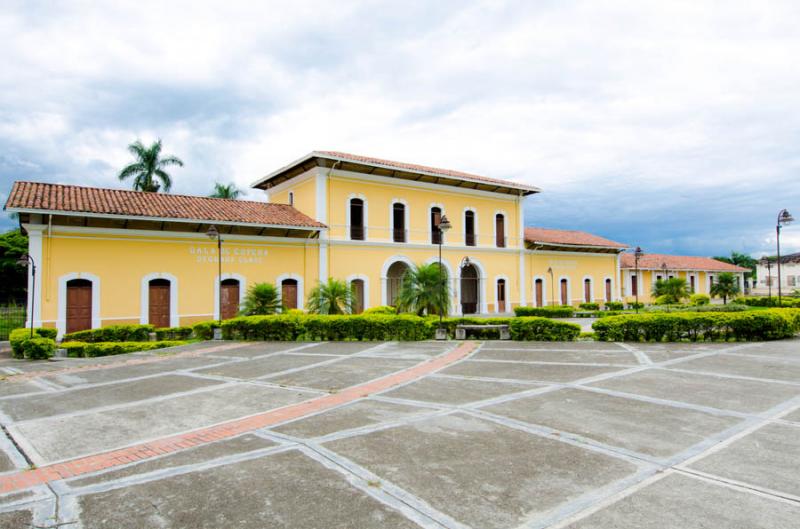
(251, 369)
(747, 366)
(251, 349)
(345, 348)
(511, 371)
(5, 462)
(661, 352)
(411, 350)
(191, 456)
(456, 391)
(64, 437)
(787, 349)
(768, 458)
(680, 502)
(286, 490)
(10, 387)
(346, 373)
(544, 355)
(480, 473)
(21, 519)
(746, 396)
(355, 415)
(554, 346)
(794, 416)
(55, 403)
(643, 427)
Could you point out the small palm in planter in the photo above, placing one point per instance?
(261, 298)
(331, 297)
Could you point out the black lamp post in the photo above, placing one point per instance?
(784, 217)
(443, 226)
(637, 254)
(24, 260)
(214, 234)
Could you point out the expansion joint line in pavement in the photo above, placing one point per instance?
(83, 465)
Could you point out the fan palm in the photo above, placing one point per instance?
(725, 287)
(225, 191)
(424, 290)
(674, 289)
(261, 298)
(148, 170)
(331, 297)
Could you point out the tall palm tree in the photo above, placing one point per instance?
(148, 170)
(225, 191)
(424, 290)
(725, 287)
(331, 297)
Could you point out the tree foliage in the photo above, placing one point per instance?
(332, 297)
(261, 298)
(725, 286)
(424, 290)
(743, 260)
(148, 170)
(225, 191)
(672, 290)
(14, 285)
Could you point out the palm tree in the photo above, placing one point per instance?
(225, 191)
(331, 297)
(424, 290)
(148, 167)
(675, 289)
(261, 298)
(725, 286)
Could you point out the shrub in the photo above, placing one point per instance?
(18, 337)
(632, 305)
(614, 305)
(761, 301)
(546, 312)
(331, 297)
(382, 309)
(543, 329)
(91, 350)
(205, 329)
(699, 299)
(112, 333)
(587, 336)
(173, 333)
(261, 298)
(664, 300)
(693, 326)
(38, 348)
(328, 327)
(589, 306)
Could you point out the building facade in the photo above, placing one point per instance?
(767, 273)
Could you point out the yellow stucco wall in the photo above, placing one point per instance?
(305, 199)
(650, 276)
(575, 267)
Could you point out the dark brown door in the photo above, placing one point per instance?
(358, 295)
(469, 290)
(289, 293)
(691, 281)
(79, 305)
(587, 290)
(539, 292)
(564, 293)
(634, 286)
(608, 290)
(436, 217)
(501, 295)
(500, 230)
(159, 303)
(229, 298)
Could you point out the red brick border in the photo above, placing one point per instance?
(29, 478)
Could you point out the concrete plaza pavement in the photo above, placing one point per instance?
(425, 434)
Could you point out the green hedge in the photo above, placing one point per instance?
(589, 306)
(93, 349)
(546, 312)
(544, 329)
(204, 330)
(112, 333)
(730, 307)
(310, 327)
(764, 301)
(38, 348)
(18, 337)
(694, 326)
(614, 305)
(173, 333)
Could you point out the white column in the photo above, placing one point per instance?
(35, 251)
(523, 275)
(615, 281)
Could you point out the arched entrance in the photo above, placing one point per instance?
(539, 292)
(394, 280)
(289, 293)
(229, 298)
(79, 305)
(357, 287)
(158, 309)
(470, 287)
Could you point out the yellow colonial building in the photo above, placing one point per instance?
(107, 256)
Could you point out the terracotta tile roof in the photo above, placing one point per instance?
(654, 261)
(569, 237)
(119, 202)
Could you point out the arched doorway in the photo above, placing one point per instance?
(357, 287)
(394, 280)
(229, 291)
(539, 292)
(158, 296)
(289, 293)
(587, 290)
(608, 290)
(564, 292)
(501, 295)
(470, 283)
(79, 305)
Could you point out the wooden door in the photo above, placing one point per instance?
(79, 305)
(539, 293)
(289, 293)
(587, 291)
(564, 293)
(159, 303)
(357, 287)
(229, 298)
(608, 290)
(501, 295)
(691, 281)
(500, 231)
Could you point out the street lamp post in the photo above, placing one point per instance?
(637, 254)
(214, 234)
(784, 217)
(23, 260)
(443, 226)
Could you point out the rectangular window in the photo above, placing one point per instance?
(469, 228)
(791, 281)
(436, 235)
(357, 219)
(399, 220)
(500, 230)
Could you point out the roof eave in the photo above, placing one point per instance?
(568, 245)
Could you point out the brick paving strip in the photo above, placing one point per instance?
(83, 465)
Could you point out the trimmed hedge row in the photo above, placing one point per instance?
(694, 326)
(112, 333)
(546, 312)
(312, 327)
(544, 329)
(732, 307)
(764, 301)
(173, 333)
(93, 349)
(18, 337)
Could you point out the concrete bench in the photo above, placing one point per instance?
(461, 330)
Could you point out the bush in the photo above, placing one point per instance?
(694, 326)
(543, 329)
(733, 307)
(204, 330)
(632, 305)
(91, 350)
(173, 333)
(586, 336)
(614, 305)
(328, 327)
(38, 348)
(762, 301)
(546, 312)
(664, 300)
(382, 309)
(699, 299)
(589, 306)
(112, 333)
(18, 337)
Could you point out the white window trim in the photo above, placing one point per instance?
(591, 289)
(365, 279)
(301, 297)
(61, 321)
(360, 196)
(406, 219)
(475, 226)
(218, 285)
(505, 227)
(385, 271)
(569, 290)
(496, 300)
(544, 290)
(430, 228)
(144, 298)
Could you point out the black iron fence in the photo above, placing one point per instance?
(12, 316)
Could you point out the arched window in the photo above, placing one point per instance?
(469, 228)
(159, 302)
(356, 219)
(229, 298)
(500, 230)
(399, 222)
(587, 290)
(539, 292)
(394, 280)
(79, 305)
(501, 295)
(436, 217)
(289, 293)
(564, 292)
(608, 290)
(470, 290)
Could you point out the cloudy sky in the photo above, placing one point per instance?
(672, 125)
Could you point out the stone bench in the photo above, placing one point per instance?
(461, 330)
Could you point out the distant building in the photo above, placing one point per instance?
(768, 275)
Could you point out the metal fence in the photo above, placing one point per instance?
(12, 316)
